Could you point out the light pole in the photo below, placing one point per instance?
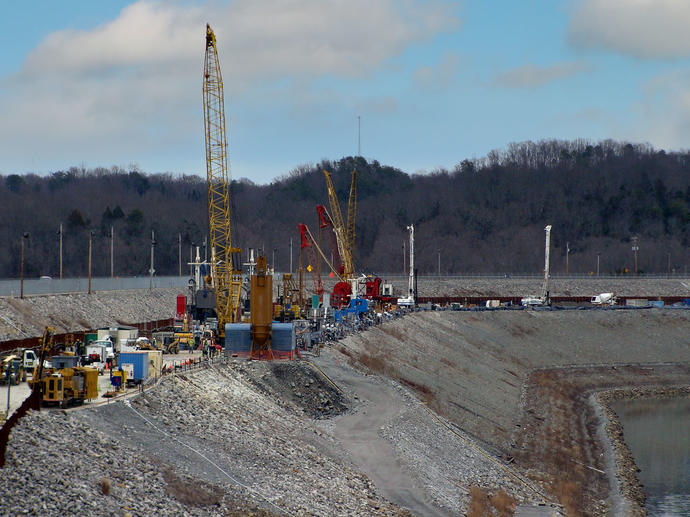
(598, 255)
(668, 267)
(112, 254)
(635, 249)
(21, 267)
(90, 247)
(567, 253)
(60, 236)
(179, 254)
(290, 255)
(439, 262)
(273, 260)
(151, 270)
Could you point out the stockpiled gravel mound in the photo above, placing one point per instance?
(202, 444)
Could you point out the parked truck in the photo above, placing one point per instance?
(604, 299)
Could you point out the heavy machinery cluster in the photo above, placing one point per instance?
(237, 306)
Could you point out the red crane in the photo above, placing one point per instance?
(327, 223)
(309, 246)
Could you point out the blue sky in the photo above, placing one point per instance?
(434, 81)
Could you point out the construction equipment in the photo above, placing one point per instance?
(409, 300)
(309, 244)
(287, 309)
(326, 224)
(68, 386)
(543, 299)
(344, 235)
(13, 371)
(226, 268)
(261, 310)
(169, 342)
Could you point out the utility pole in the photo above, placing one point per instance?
(21, 267)
(567, 253)
(668, 268)
(439, 262)
(60, 235)
(404, 259)
(112, 254)
(273, 260)
(90, 247)
(179, 254)
(635, 249)
(151, 270)
(598, 256)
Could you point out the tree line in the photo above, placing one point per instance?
(484, 215)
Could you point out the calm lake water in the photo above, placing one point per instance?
(658, 434)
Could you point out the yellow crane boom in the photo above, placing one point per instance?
(345, 236)
(226, 270)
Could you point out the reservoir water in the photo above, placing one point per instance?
(657, 432)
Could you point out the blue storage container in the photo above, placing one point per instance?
(238, 337)
(283, 338)
(140, 361)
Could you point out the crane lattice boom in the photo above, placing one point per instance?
(225, 268)
(342, 233)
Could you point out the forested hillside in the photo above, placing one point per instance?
(485, 216)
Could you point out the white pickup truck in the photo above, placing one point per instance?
(98, 353)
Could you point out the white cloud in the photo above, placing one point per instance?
(640, 28)
(663, 113)
(532, 76)
(133, 85)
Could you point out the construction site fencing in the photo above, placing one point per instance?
(46, 285)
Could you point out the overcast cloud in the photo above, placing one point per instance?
(639, 28)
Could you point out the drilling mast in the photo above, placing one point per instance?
(409, 299)
(547, 249)
(226, 269)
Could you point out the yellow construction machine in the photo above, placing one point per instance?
(63, 383)
(69, 386)
(12, 370)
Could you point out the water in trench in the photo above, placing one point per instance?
(657, 432)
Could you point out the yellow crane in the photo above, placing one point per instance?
(226, 268)
(345, 235)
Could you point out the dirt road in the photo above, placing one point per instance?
(360, 435)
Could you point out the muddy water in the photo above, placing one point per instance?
(658, 435)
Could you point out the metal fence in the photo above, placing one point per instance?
(76, 285)
(12, 287)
